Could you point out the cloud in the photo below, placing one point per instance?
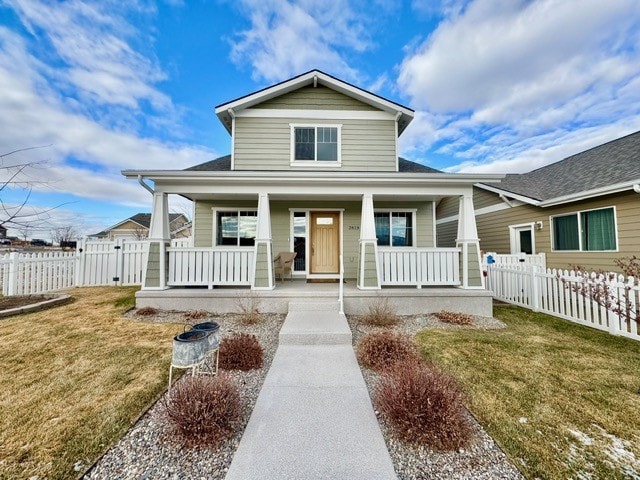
(288, 37)
(501, 79)
(85, 155)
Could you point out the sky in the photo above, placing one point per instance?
(100, 86)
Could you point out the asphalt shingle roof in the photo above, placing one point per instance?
(617, 161)
(223, 164)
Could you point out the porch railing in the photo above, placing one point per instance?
(210, 266)
(419, 266)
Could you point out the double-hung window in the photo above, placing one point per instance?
(236, 227)
(315, 143)
(395, 228)
(586, 231)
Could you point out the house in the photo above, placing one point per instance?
(582, 210)
(3, 232)
(136, 227)
(314, 169)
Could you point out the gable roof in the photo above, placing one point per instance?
(142, 219)
(599, 170)
(223, 164)
(226, 110)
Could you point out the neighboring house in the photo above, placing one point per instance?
(3, 232)
(137, 228)
(583, 210)
(313, 169)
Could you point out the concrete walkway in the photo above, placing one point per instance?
(313, 418)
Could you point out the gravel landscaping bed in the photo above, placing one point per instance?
(146, 451)
(483, 459)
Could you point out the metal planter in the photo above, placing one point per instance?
(190, 348)
(213, 331)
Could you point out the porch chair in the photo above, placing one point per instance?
(284, 264)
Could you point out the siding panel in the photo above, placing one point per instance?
(321, 98)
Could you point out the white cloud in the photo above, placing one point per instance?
(288, 37)
(511, 86)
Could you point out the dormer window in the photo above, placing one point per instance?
(315, 144)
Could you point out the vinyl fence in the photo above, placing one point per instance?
(121, 262)
(606, 302)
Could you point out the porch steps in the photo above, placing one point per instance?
(315, 323)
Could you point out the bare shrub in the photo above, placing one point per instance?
(380, 313)
(249, 308)
(202, 410)
(455, 318)
(240, 352)
(424, 405)
(147, 311)
(380, 350)
(195, 314)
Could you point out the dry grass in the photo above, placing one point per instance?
(531, 383)
(248, 306)
(380, 313)
(190, 315)
(146, 311)
(241, 351)
(74, 378)
(424, 405)
(380, 350)
(202, 410)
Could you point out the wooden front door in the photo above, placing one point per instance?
(325, 242)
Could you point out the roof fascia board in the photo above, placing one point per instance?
(333, 176)
(507, 193)
(587, 194)
(308, 78)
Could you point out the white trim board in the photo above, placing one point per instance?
(483, 211)
(315, 114)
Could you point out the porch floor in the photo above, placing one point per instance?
(406, 301)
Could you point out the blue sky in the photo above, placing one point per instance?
(497, 85)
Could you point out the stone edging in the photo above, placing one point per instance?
(51, 302)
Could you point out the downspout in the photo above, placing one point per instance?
(146, 187)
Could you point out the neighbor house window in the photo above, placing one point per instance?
(587, 231)
(315, 143)
(394, 229)
(236, 227)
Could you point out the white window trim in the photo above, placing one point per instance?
(580, 246)
(315, 162)
(513, 239)
(414, 234)
(215, 210)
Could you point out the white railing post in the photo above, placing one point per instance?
(12, 287)
(613, 317)
(341, 288)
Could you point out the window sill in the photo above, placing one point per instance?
(315, 163)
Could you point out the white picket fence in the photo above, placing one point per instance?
(539, 259)
(419, 266)
(568, 294)
(121, 262)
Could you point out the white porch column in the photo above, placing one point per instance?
(156, 273)
(263, 254)
(467, 240)
(368, 259)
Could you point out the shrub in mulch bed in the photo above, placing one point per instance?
(455, 318)
(202, 410)
(380, 314)
(424, 405)
(195, 314)
(241, 351)
(146, 311)
(380, 350)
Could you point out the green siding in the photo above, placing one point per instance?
(265, 144)
(474, 267)
(152, 278)
(319, 98)
(262, 266)
(370, 272)
(447, 233)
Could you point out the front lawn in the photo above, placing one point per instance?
(562, 400)
(74, 378)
